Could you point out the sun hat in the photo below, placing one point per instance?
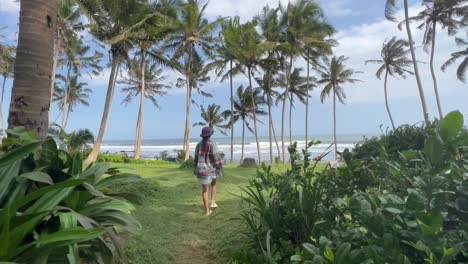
(206, 132)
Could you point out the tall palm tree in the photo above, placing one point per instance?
(244, 111)
(149, 87)
(121, 19)
(225, 62)
(7, 61)
(193, 34)
(445, 14)
(71, 94)
(250, 52)
(31, 94)
(390, 10)
(463, 55)
(394, 62)
(334, 74)
(212, 117)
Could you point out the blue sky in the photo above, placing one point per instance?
(361, 30)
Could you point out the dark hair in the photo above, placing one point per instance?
(206, 138)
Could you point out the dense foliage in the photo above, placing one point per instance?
(54, 210)
(409, 206)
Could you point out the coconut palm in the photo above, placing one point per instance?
(390, 10)
(225, 63)
(121, 19)
(150, 87)
(31, 94)
(7, 61)
(445, 14)
(334, 74)
(70, 95)
(394, 62)
(212, 117)
(463, 55)
(244, 111)
(193, 35)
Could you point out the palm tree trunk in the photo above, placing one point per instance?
(110, 93)
(286, 94)
(334, 123)
(434, 78)
(254, 110)
(188, 102)
(232, 113)
(68, 115)
(270, 124)
(65, 97)
(307, 106)
(1, 102)
(141, 110)
(243, 137)
(57, 45)
(386, 101)
(276, 140)
(31, 94)
(415, 65)
(290, 119)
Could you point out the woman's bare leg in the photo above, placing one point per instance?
(213, 192)
(205, 198)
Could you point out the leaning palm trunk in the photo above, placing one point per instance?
(334, 123)
(415, 65)
(68, 116)
(270, 124)
(307, 107)
(188, 102)
(1, 102)
(232, 113)
(31, 94)
(276, 140)
(254, 110)
(139, 129)
(434, 78)
(65, 98)
(386, 101)
(290, 119)
(243, 137)
(110, 93)
(283, 110)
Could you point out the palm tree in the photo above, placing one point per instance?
(224, 58)
(442, 13)
(299, 87)
(193, 32)
(390, 10)
(395, 63)
(244, 111)
(7, 61)
(463, 55)
(334, 74)
(249, 52)
(31, 94)
(150, 87)
(121, 19)
(70, 95)
(212, 117)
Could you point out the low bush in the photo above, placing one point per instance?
(187, 164)
(402, 204)
(248, 163)
(119, 158)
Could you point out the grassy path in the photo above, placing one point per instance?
(174, 227)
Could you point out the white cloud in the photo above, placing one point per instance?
(336, 8)
(9, 6)
(245, 9)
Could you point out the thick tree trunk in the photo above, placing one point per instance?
(232, 113)
(57, 47)
(243, 137)
(139, 129)
(290, 119)
(386, 101)
(187, 108)
(415, 65)
(110, 93)
(254, 110)
(434, 78)
(1, 102)
(307, 107)
(286, 95)
(31, 94)
(270, 124)
(334, 124)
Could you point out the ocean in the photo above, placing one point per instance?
(152, 148)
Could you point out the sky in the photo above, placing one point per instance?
(361, 30)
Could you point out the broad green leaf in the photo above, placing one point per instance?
(69, 236)
(7, 174)
(96, 170)
(18, 154)
(414, 201)
(124, 178)
(37, 176)
(329, 254)
(342, 253)
(433, 150)
(393, 210)
(451, 125)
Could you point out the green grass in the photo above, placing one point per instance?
(174, 227)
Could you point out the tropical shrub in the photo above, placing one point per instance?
(52, 209)
(187, 164)
(404, 207)
(248, 163)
